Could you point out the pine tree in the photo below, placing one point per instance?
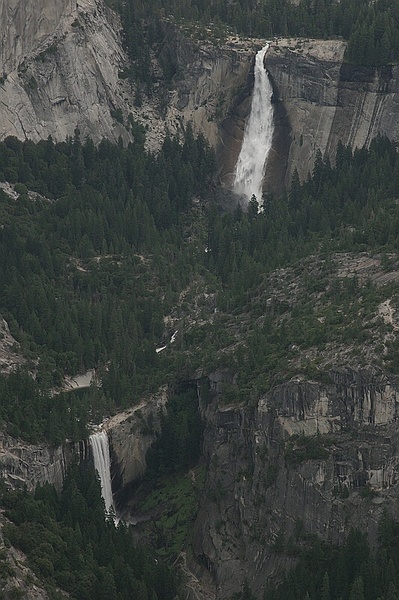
(357, 591)
(325, 587)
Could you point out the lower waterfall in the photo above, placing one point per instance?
(102, 463)
(258, 134)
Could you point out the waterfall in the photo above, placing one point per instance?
(102, 463)
(251, 163)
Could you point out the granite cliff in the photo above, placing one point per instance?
(60, 70)
(131, 433)
(309, 458)
(321, 100)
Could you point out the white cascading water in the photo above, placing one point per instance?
(257, 142)
(102, 463)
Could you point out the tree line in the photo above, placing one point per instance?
(70, 545)
(91, 265)
(370, 27)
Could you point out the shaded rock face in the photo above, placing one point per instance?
(211, 90)
(59, 64)
(327, 101)
(131, 435)
(318, 101)
(59, 71)
(24, 465)
(27, 465)
(309, 458)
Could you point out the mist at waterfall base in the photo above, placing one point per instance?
(257, 141)
(102, 463)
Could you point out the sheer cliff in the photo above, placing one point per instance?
(321, 100)
(302, 442)
(60, 70)
(308, 459)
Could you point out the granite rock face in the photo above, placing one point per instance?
(211, 90)
(60, 68)
(309, 458)
(59, 65)
(325, 101)
(28, 465)
(131, 434)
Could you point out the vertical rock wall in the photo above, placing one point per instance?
(27, 465)
(310, 458)
(26, 25)
(325, 101)
(59, 65)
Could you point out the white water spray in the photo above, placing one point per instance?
(257, 142)
(102, 463)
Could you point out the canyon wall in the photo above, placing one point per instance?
(308, 459)
(59, 66)
(320, 100)
(24, 465)
(130, 433)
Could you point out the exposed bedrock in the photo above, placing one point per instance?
(59, 68)
(24, 465)
(327, 101)
(309, 458)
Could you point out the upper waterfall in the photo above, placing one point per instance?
(257, 142)
(102, 464)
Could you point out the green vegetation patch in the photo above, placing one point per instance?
(70, 545)
(173, 503)
(300, 448)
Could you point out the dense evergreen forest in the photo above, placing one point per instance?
(80, 263)
(371, 27)
(348, 572)
(94, 261)
(97, 249)
(70, 545)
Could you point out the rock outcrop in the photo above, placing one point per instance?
(60, 69)
(212, 91)
(131, 434)
(309, 458)
(25, 465)
(324, 101)
(59, 66)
